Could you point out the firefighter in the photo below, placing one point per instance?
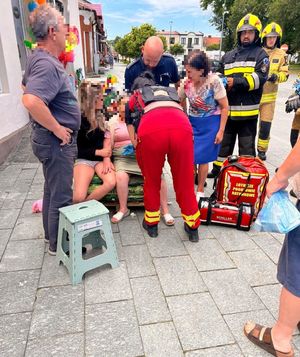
(246, 69)
(156, 138)
(278, 73)
(293, 104)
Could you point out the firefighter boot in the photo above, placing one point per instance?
(151, 230)
(262, 155)
(214, 172)
(192, 233)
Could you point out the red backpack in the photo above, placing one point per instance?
(242, 179)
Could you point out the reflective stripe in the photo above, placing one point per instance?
(244, 107)
(228, 72)
(218, 163)
(191, 220)
(256, 80)
(250, 81)
(243, 113)
(263, 144)
(268, 98)
(152, 217)
(240, 64)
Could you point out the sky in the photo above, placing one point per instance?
(186, 15)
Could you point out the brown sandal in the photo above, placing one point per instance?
(261, 336)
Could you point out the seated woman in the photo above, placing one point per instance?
(208, 112)
(94, 147)
(126, 165)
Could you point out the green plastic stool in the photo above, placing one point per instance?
(81, 224)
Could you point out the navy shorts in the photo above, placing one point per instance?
(288, 270)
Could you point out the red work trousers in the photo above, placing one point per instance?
(167, 131)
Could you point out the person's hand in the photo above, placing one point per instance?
(64, 134)
(219, 136)
(293, 103)
(105, 152)
(108, 166)
(230, 81)
(134, 143)
(273, 78)
(276, 185)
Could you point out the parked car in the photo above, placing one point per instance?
(181, 70)
(215, 65)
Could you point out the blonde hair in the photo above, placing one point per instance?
(88, 95)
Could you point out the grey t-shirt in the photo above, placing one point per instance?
(46, 78)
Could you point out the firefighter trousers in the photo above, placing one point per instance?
(295, 128)
(245, 131)
(151, 151)
(266, 114)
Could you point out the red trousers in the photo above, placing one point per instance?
(167, 131)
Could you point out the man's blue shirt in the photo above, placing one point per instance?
(165, 72)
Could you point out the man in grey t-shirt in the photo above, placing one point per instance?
(54, 113)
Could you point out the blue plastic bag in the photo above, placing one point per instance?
(128, 150)
(279, 215)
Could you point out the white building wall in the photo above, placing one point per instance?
(13, 116)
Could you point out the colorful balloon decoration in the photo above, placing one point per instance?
(67, 56)
(32, 5)
(41, 2)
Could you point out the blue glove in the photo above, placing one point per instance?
(296, 86)
(128, 150)
(224, 81)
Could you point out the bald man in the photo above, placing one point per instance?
(153, 58)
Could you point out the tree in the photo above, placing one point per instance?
(164, 41)
(176, 49)
(213, 47)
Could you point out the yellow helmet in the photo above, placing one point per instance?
(249, 22)
(272, 29)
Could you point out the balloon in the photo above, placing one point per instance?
(31, 6)
(41, 2)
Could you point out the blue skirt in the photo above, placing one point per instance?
(205, 130)
(288, 269)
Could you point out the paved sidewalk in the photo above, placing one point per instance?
(168, 298)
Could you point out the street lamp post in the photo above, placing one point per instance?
(171, 22)
(221, 41)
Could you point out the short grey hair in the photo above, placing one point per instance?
(43, 17)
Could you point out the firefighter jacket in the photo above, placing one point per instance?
(278, 66)
(249, 67)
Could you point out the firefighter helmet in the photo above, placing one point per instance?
(272, 29)
(250, 22)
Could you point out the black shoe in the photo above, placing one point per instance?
(192, 233)
(151, 230)
(214, 173)
(292, 193)
(262, 155)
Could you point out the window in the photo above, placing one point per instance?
(183, 40)
(190, 42)
(196, 41)
(172, 40)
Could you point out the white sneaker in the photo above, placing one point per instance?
(199, 195)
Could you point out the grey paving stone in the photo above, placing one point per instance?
(107, 284)
(204, 231)
(256, 267)
(58, 310)
(231, 292)
(8, 218)
(167, 244)
(149, 300)
(30, 227)
(194, 314)
(236, 324)
(115, 228)
(178, 275)
(207, 254)
(23, 255)
(139, 262)
(35, 192)
(232, 239)
(18, 291)
(161, 340)
(119, 247)
(222, 351)
(52, 274)
(270, 294)
(112, 330)
(278, 236)
(22, 186)
(31, 165)
(27, 173)
(4, 237)
(14, 200)
(13, 334)
(26, 210)
(269, 245)
(130, 232)
(70, 345)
